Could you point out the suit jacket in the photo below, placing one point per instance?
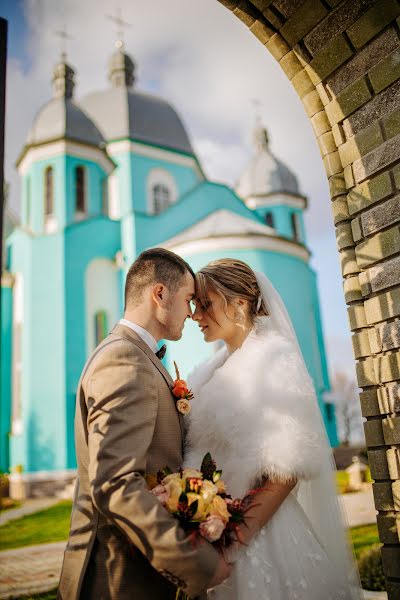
(123, 544)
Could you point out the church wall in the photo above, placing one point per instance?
(85, 242)
(5, 371)
(282, 220)
(294, 280)
(39, 262)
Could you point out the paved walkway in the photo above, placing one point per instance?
(29, 507)
(35, 569)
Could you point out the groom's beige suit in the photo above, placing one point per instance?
(123, 544)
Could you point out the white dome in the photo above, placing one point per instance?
(265, 174)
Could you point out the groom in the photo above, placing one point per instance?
(123, 544)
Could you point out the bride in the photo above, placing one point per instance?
(255, 410)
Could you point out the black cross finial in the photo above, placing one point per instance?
(64, 36)
(121, 24)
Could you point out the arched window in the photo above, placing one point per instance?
(161, 198)
(80, 191)
(49, 192)
(100, 326)
(296, 229)
(269, 219)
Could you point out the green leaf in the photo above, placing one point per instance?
(183, 499)
(208, 467)
(192, 510)
(217, 476)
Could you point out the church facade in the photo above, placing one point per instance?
(104, 178)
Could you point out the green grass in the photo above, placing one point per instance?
(363, 537)
(52, 595)
(43, 527)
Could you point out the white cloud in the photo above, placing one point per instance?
(200, 57)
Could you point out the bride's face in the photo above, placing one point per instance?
(216, 321)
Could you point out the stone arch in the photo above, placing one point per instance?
(342, 58)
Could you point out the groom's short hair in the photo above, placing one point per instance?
(156, 265)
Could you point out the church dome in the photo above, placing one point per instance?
(121, 112)
(265, 174)
(62, 117)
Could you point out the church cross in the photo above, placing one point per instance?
(64, 36)
(121, 24)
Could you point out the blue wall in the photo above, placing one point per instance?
(5, 374)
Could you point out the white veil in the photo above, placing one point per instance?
(317, 497)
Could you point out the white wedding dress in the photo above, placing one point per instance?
(255, 411)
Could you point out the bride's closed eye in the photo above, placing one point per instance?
(202, 305)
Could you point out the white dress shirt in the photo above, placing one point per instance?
(143, 333)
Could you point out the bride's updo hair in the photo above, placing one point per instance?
(231, 279)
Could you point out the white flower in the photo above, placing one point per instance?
(183, 406)
(161, 492)
(212, 528)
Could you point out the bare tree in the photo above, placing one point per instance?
(345, 392)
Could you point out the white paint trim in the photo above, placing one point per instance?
(124, 146)
(44, 475)
(232, 242)
(276, 200)
(52, 149)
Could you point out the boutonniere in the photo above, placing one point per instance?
(182, 393)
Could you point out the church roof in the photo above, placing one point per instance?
(62, 117)
(265, 174)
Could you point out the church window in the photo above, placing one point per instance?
(101, 327)
(296, 229)
(161, 198)
(49, 192)
(330, 411)
(80, 190)
(269, 219)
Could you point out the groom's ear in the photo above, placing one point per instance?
(160, 293)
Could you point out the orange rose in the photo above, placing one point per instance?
(218, 509)
(180, 388)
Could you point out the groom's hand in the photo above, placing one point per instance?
(223, 571)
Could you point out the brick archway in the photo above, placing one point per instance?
(343, 59)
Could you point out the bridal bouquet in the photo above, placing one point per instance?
(200, 502)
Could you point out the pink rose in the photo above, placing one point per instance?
(161, 492)
(212, 528)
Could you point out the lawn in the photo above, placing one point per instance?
(52, 595)
(364, 536)
(43, 527)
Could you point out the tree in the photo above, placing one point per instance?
(348, 411)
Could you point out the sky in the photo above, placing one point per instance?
(217, 75)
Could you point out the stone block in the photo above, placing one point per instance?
(361, 144)
(313, 106)
(369, 405)
(393, 587)
(372, 22)
(348, 262)
(344, 236)
(277, 46)
(337, 185)
(363, 60)
(306, 16)
(365, 283)
(374, 341)
(379, 217)
(392, 393)
(352, 289)
(366, 377)
(291, 64)
(391, 562)
(326, 98)
(388, 529)
(349, 100)
(393, 461)
(373, 433)
(385, 72)
(302, 84)
(332, 163)
(382, 307)
(273, 18)
(381, 105)
(348, 176)
(384, 275)
(396, 173)
(246, 12)
(387, 368)
(357, 316)
(338, 134)
(262, 4)
(326, 143)
(396, 499)
(356, 229)
(329, 58)
(340, 209)
(262, 31)
(287, 7)
(380, 246)
(369, 192)
(389, 334)
(361, 346)
(391, 124)
(377, 461)
(383, 496)
(391, 430)
(381, 157)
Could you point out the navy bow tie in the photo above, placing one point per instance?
(161, 351)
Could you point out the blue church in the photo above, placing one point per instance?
(104, 178)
